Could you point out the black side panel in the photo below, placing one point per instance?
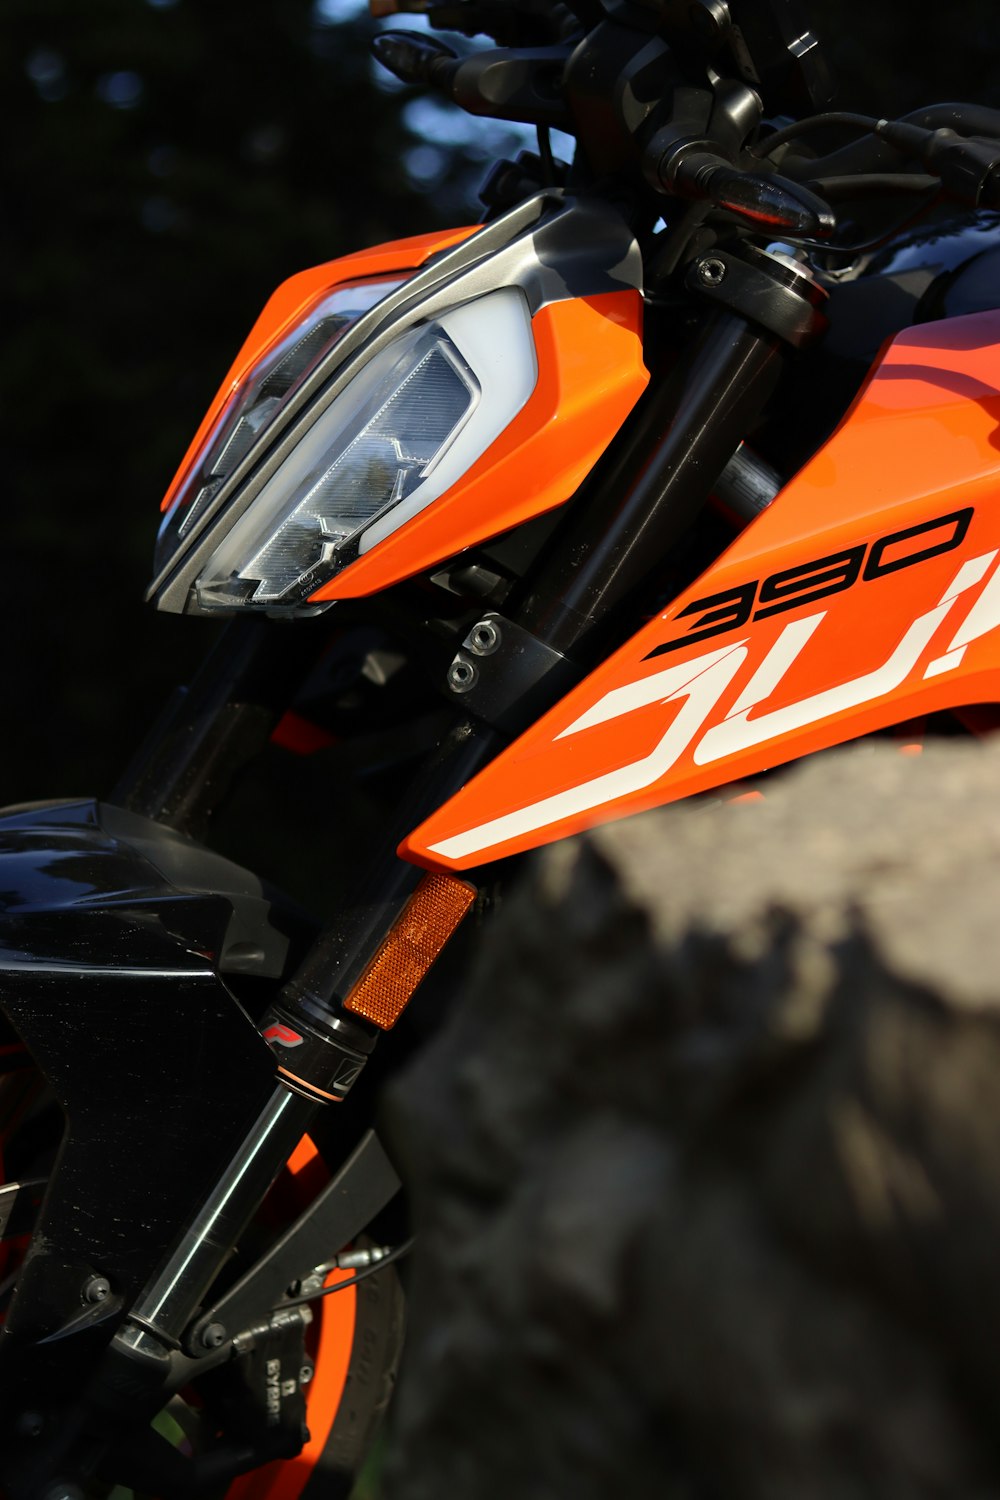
(112, 932)
(157, 1086)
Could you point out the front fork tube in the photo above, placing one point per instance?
(320, 1048)
(210, 729)
(137, 1363)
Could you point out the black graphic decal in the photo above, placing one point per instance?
(806, 582)
(809, 581)
(877, 565)
(722, 612)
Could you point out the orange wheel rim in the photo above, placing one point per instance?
(335, 1317)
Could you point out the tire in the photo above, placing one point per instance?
(706, 1174)
(368, 1388)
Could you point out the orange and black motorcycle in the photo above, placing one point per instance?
(681, 465)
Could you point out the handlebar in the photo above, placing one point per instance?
(701, 153)
(512, 83)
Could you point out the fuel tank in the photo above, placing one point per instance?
(865, 595)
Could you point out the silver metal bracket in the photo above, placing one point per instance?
(507, 676)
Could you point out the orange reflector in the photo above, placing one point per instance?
(426, 923)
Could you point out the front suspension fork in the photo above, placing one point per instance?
(325, 1023)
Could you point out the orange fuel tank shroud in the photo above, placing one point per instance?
(290, 302)
(590, 375)
(883, 558)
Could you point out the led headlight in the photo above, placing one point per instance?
(258, 401)
(402, 432)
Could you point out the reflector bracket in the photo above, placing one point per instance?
(423, 928)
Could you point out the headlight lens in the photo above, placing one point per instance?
(257, 402)
(405, 429)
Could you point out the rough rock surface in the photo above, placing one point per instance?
(707, 1169)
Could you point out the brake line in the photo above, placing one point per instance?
(865, 124)
(386, 1258)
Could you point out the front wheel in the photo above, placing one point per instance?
(354, 1346)
(344, 1365)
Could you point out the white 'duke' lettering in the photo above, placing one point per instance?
(739, 732)
(702, 682)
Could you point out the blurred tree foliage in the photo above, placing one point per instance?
(165, 164)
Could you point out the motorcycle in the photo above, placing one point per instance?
(676, 468)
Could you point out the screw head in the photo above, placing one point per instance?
(306, 1374)
(712, 270)
(213, 1336)
(462, 675)
(96, 1289)
(484, 638)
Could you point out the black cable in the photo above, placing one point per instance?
(396, 1253)
(678, 241)
(875, 154)
(864, 123)
(872, 184)
(880, 240)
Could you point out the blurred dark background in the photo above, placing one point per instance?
(165, 164)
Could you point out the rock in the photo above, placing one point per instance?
(706, 1171)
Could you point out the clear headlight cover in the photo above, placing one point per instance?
(406, 428)
(259, 399)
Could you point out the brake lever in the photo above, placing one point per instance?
(529, 22)
(511, 83)
(415, 58)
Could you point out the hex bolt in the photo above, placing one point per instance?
(96, 1289)
(213, 1336)
(712, 270)
(306, 1374)
(462, 675)
(484, 638)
